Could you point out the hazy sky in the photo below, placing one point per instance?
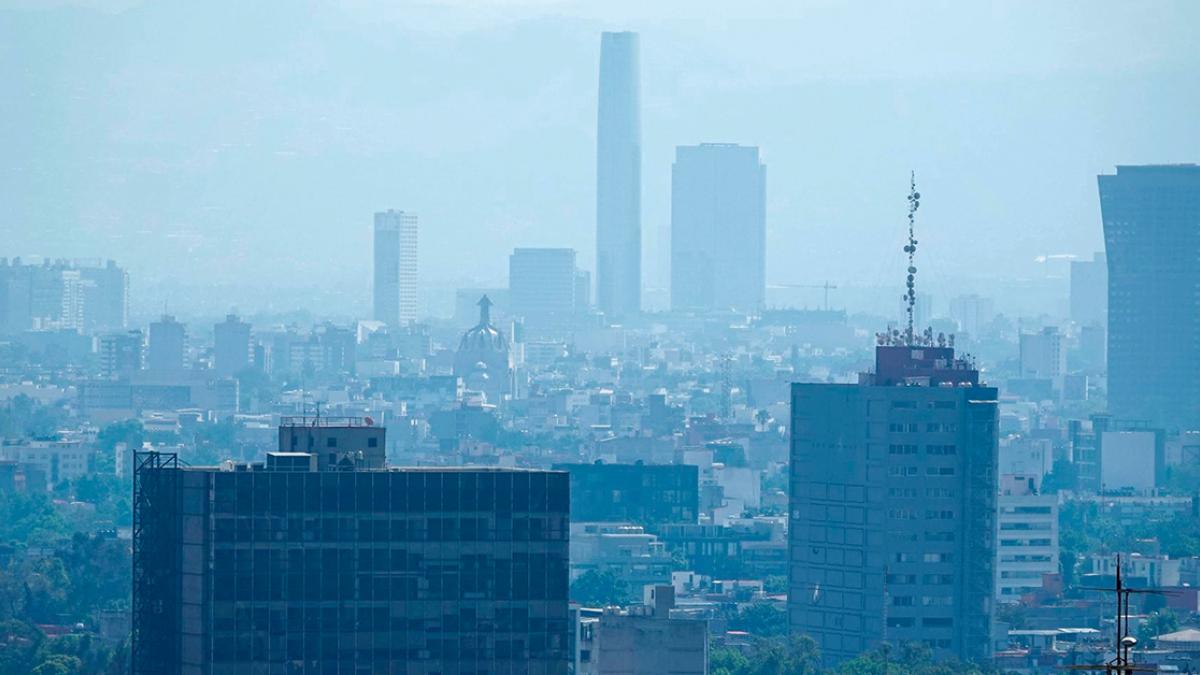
(246, 145)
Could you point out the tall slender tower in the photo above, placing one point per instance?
(619, 177)
(395, 267)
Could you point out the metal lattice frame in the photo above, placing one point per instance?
(155, 515)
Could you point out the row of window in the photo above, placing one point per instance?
(915, 514)
(901, 471)
(929, 493)
(926, 579)
(923, 601)
(915, 427)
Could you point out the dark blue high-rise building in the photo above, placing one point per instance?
(892, 532)
(1152, 240)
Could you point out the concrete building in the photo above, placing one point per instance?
(646, 494)
(395, 286)
(1028, 538)
(893, 507)
(541, 286)
(1043, 355)
(166, 351)
(289, 565)
(1089, 291)
(338, 443)
(645, 640)
(231, 346)
(718, 228)
(54, 461)
(120, 354)
(1152, 244)
(1130, 459)
(627, 550)
(619, 177)
(972, 313)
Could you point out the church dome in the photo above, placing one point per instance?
(483, 337)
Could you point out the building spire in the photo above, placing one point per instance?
(910, 295)
(485, 310)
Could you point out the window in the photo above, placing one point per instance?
(939, 471)
(941, 450)
(373, 442)
(902, 450)
(331, 442)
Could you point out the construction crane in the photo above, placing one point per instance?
(825, 286)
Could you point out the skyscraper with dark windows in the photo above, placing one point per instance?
(1152, 242)
(893, 506)
(619, 177)
(718, 228)
(322, 561)
(395, 285)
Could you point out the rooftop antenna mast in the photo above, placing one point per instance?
(910, 295)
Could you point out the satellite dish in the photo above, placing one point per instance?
(369, 422)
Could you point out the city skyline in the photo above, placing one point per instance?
(505, 214)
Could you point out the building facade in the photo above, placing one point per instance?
(645, 494)
(1152, 243)
(287, 567)
(231, 346)
(1028, 541)
(619, 177)
(1089, 291)
(166, 350)
(892, 530)
(718, 228)
(395, 286)
(542, 284)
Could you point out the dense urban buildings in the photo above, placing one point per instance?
(309, 566)
(619, 177)
(395, 286)
(1152, 245)
(718, 228)
(81, 295)
(893, 506)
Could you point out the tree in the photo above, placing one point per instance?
(599, 588)
(762, 619)
(1158, 623)
(796, 655)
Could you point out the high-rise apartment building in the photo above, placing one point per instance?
(718, 228)
(167, 348)
(893, 507)
(619, 177)
(542, 283)
(1028, 537)
(120, 354)
(231, 346)
(1089, 290)
(1152, 241)
(302, 566)
(395, 285)
(1043, 355)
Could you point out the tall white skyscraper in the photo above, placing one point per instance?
(619, 177)
(718, 228)
(395, 267)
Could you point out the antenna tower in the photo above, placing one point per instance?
(910, 295)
